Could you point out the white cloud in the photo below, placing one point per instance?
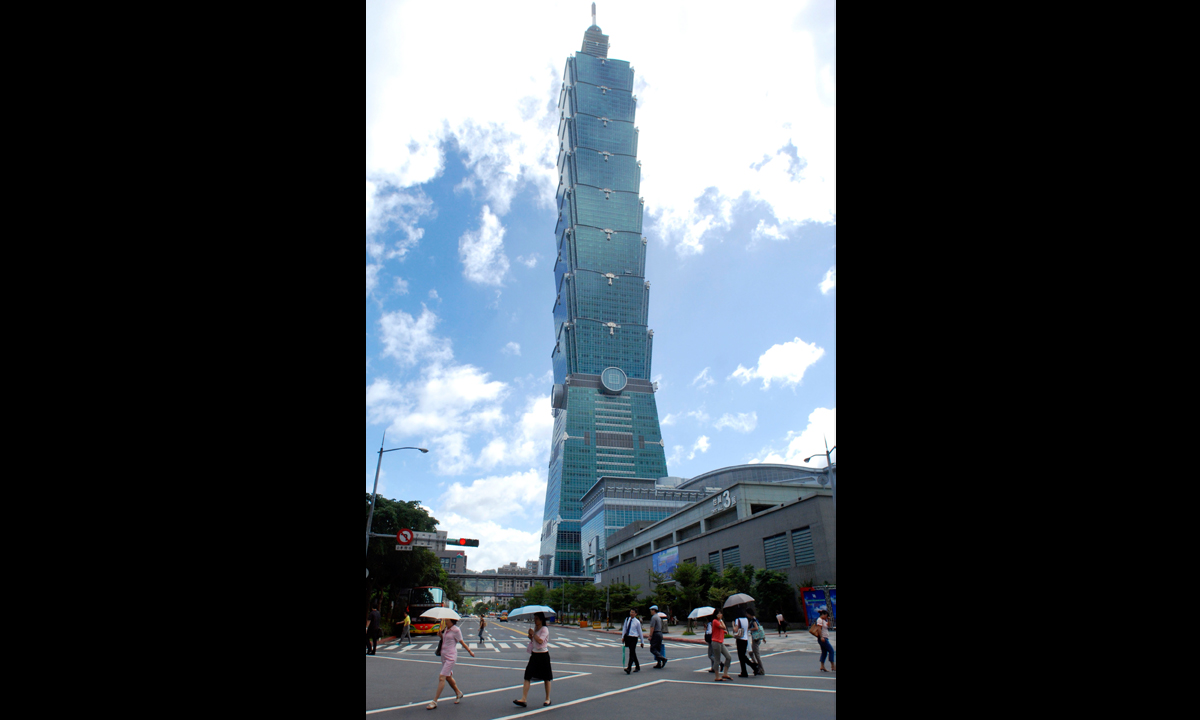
(408, 340)
(372, 276)
(520, 494)
(783, 155)
(700, 415)
(822, 427)
(499, 545)
(531, 261)
(389, 208)
(707, 380)
(401, 286)
(830, 281)
(482, 251)
(786, 361)
(701, 445)
(669, 419)
(771, 232)
(434, 296)
(512, 349)
(742, 422)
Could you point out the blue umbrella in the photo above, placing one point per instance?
(531, 609)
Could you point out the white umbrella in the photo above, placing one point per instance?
(701, 612)
(738, 599)
(662, 615)
(440, 612)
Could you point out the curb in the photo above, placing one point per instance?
(673, 638)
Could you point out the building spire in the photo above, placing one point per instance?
(595, 42)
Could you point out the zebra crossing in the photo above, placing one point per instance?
(497, 645)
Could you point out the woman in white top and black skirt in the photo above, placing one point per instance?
(539, 658)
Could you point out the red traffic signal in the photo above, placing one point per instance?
(463, 541)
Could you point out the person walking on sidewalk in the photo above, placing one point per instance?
(451, 639)
(539, 658)
(719, 649)
(756, 636)
(482, 625)
(823, 641)
(404, 634)
(373, 631)
(741, 635)
(781, 625)
(656, 638)
(708, 637)
(631, 635)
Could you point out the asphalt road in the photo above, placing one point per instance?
(590, 682)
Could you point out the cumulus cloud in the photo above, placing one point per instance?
(500, 544)
(786, 361)
(408, 339)
(822, 427)
(771, 232)
(512, 349)
(830, 281)
(703, 380)
(531, 261)
(482, 251)
(391, 209)
(669, 419)
(742, 422)
(783, 155)
(520, 494)
(401, 286)
(701, 446)
(434, 296)
(372, 276)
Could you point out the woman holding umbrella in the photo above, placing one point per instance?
(539, 658)
(451, 638)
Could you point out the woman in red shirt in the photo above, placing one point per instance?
(719, 649)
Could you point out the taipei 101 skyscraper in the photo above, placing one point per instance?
(605, 415)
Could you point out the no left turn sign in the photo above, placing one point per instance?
(404, 537)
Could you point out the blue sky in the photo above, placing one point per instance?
(736, 113)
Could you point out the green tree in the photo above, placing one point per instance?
(536, 595)
(773, 594)
(622, 597)
(687, 590)
(390, 572)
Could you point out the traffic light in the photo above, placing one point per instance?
(464, 541)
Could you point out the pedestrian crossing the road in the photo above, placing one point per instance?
(496, 645)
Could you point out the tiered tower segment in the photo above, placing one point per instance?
(605, 415)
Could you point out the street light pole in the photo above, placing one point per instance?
(828, 468)
(375, 489)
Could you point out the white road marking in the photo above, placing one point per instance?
(580, 700)
(765, 687)
(467, 695)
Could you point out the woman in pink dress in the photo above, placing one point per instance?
(451, 639)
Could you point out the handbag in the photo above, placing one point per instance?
(757, 633)
(815, 629)
(438, 652)
(738, 634)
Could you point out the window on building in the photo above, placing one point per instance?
(776, 551)
(691, 560)
(714, 561)
(802, 546)
(731, 557)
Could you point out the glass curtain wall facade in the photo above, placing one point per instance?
(605, 415)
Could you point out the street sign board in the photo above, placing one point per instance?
(426, 536)
(404, 547)
(404, 537)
